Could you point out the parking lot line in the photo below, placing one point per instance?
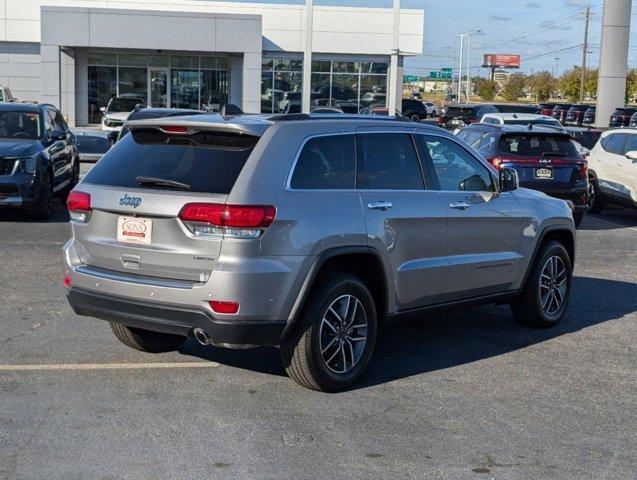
(105, 366)
(614, 224)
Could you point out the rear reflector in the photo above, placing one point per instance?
(67, 280)
(226, 308)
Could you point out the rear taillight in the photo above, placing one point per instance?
(496, 162)
(440, 121)
(218, 219)
(79, 206)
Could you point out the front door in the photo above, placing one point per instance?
(627, 171)
(158, 82)
(484, 226)
(405, 222)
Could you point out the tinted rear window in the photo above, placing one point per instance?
(389, 162)
(209, 162)
(326, 163)
(460, 112)
(536, 145)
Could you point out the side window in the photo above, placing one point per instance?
(58, 121)
(615, 143)
(389, 162)
(326, 163)
(631, 145)
(2, 95)
(48, 122)
(486, 144)
(457, 169)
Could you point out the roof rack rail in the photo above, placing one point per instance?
(287, 117)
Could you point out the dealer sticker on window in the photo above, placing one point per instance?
(134, 230)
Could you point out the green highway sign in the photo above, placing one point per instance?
(444, 73)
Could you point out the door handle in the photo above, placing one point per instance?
(460, 205)
(379, 205)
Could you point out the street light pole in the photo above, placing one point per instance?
(468, 86)
(460, 68)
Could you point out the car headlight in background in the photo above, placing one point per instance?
(26, 165)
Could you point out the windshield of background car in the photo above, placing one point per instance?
(529, 145)
(206, 161)
(20, 125)
(122, 105)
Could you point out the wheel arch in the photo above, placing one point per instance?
(362, 261)
(560, 233)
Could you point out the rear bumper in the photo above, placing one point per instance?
(578, 195)
(174, 319)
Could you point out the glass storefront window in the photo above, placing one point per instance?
(267, 105)
(184, 61)
(373, 67)
(321, 66)
(133, 60)
(184, 88)
(214, 63)
(287, 98)
(133, 80)
(346, 67)
(158, 60)
(373, 90)
(102, 86)
(281, 83)
(266, 64)
(98, 58)
(214, 89)
(345, 92)
(320, 89)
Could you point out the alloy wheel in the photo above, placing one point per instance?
(553, 284)
(343, 334)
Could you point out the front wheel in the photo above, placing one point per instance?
(333, 340)
(545, 296)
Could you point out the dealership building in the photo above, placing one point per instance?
(78, 54)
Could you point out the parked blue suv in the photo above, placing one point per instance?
(38, 157)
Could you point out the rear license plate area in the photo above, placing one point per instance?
(134, 230)
(544, 174)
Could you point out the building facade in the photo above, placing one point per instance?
(78, 54)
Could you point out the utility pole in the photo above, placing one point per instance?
(307, 57)
(460, 69)
(582, 81)
(468, 67)
(394, 81)
(557, 63)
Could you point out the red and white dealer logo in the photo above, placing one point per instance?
(134, 228)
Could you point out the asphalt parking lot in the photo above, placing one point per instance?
(462, 396)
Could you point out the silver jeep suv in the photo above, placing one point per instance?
(306, 233)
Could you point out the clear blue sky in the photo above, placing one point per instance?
(531, 28)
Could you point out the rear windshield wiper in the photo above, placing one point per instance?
(161, 182)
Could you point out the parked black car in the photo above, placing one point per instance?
(589, 116)
(91, 143)
(461, 114)
(517, 108)
(414, 109)
(575, 115)
(621, 117)
(544, 158)
(560, 110)
(38, 157)
(586, 137)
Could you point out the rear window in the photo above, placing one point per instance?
(536, 145)
(326, 163)
(459, 112)
(208, 162)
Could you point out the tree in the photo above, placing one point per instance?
(631, 85)
(569, 84)
(514, 88)
(590, 86)
(542, 85)
(485, 88)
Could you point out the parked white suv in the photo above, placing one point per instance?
(432, 110)
(612, 170)
(521, 119)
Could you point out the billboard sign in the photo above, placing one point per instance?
(496, 60)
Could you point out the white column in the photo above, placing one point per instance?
(251, 82)
(394, 101)
(613, 59)
(307, 55)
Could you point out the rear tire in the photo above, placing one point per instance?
(145, 340)
(578, 215)
(595, 202)
(334, 337)
(545, 296)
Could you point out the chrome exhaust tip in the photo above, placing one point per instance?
(202, 337)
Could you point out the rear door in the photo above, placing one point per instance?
(608, 164)
(134, 225)
(405, 222)
(627, 171)
(484, 226)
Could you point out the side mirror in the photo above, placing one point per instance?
(632, 155)
(56, 135)
(102, 109)
(509, 180)
(472, 184)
